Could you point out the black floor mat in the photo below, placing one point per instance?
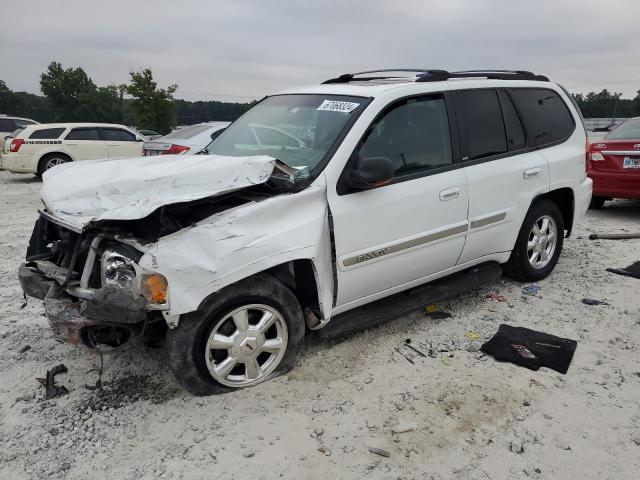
(530, 349)
(632, 270)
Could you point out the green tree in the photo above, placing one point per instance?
(7, 101)
(23, 104)
(153, 107)
(67, 91)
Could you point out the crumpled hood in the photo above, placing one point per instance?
(128, 189)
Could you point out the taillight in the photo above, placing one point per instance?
(596, 157)
(175, 150)
(16, 143)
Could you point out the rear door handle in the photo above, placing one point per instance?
(531, 173)
(113, 144)
(449, 194)
(71, 143)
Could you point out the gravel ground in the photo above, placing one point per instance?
(334, 415)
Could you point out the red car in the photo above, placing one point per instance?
(613, 164)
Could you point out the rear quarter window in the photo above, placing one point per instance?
(546, 116)
(46, 134)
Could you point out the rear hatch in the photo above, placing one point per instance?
(619, 156)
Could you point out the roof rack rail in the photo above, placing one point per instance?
(489, 74)
(348, 77)
(437, 75)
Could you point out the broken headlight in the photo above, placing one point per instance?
(117, 270)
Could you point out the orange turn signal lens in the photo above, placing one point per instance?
(154, 288)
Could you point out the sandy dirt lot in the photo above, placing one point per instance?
(469, 416)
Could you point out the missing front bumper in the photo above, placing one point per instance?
(71, 318)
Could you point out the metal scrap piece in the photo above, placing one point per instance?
(54, 390)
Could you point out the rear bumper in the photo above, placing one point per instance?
(69, 316)
(582, 197)
(615, 184)
(18, 163)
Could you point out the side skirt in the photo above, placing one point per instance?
(394, 306)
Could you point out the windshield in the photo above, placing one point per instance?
(298, 130)
(629, 130)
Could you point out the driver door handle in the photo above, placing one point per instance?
(449, 194)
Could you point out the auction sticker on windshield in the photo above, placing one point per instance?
(337, 106)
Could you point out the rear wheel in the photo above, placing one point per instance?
(250, 331)
(51, 160)
(597, 203)
(539, 243)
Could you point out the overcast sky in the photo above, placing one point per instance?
(243, 49)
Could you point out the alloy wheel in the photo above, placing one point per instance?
(542, 242)
(246, 345)
(53, 161)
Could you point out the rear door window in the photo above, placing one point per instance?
(545, 114)
(482, 117)
(83, 134)
(117, 135)
(515, 132)
(47, 134)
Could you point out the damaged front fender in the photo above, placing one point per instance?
(237, 243)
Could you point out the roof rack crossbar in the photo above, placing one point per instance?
(348, 77)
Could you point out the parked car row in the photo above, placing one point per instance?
(189, 139)
(614, 164)
(35, 148)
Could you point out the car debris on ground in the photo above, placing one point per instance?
(496, 297)
(614, 236)
(49, 382)
(593, 301)
(632, 270)
(531, 289)
(470, 412)
(530, 349)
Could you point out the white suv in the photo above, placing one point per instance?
(403, 188)
(38, 148)
(10, 124)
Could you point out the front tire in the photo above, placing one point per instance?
(539, 243)
(245, 334)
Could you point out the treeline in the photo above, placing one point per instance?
(605, 104)
(70, 95)
(200, 111)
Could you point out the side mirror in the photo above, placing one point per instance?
(370, 172)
